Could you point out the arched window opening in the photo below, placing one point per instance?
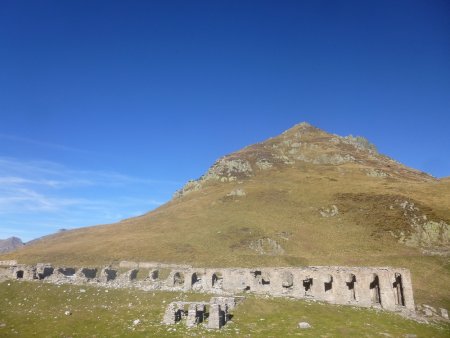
(375, 290)
(398, 290)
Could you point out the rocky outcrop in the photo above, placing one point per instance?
(226, 169)
(423, 232)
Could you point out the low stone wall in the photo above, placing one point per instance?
(385, 287)
(8, 263)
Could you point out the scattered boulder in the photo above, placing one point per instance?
(266, 246)
(329, 211)
(376, 173)
(304, 325)
(237, 192)
(429, 310)
(263, 164)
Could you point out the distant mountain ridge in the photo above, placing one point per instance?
(10, 244)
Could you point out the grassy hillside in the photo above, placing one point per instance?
(303, 198)
(37, 309)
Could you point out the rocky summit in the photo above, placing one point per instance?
(299, 145)
(305, 197)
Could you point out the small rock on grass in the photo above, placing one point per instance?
(304, 325)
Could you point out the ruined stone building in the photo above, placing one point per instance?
(385, 288)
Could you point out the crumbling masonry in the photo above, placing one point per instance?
(385, 288)
(216, 312)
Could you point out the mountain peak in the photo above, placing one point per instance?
(303, 127)
(10, 244)
(301, 145)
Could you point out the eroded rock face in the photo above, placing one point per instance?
(358, 142)
(424, 233)
(263, 164)
(229, 169)
(224, 170)
(189, 187)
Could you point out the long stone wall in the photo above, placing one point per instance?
(385, 287)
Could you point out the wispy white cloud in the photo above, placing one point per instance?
(36, 196)
(23, 199)
(13, 171)
(15, 138)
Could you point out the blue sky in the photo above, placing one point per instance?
(107, 107)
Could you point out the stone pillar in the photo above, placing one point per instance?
(131, 275)
(191, 319)
(362, 287)
(317, 291)
(216, 316)
(408, 290)
(346, 288)
(170, 316)
(388, 298)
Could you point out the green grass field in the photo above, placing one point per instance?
(38, 309)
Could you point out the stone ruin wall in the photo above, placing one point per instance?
(386, 288)
(215, 312)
